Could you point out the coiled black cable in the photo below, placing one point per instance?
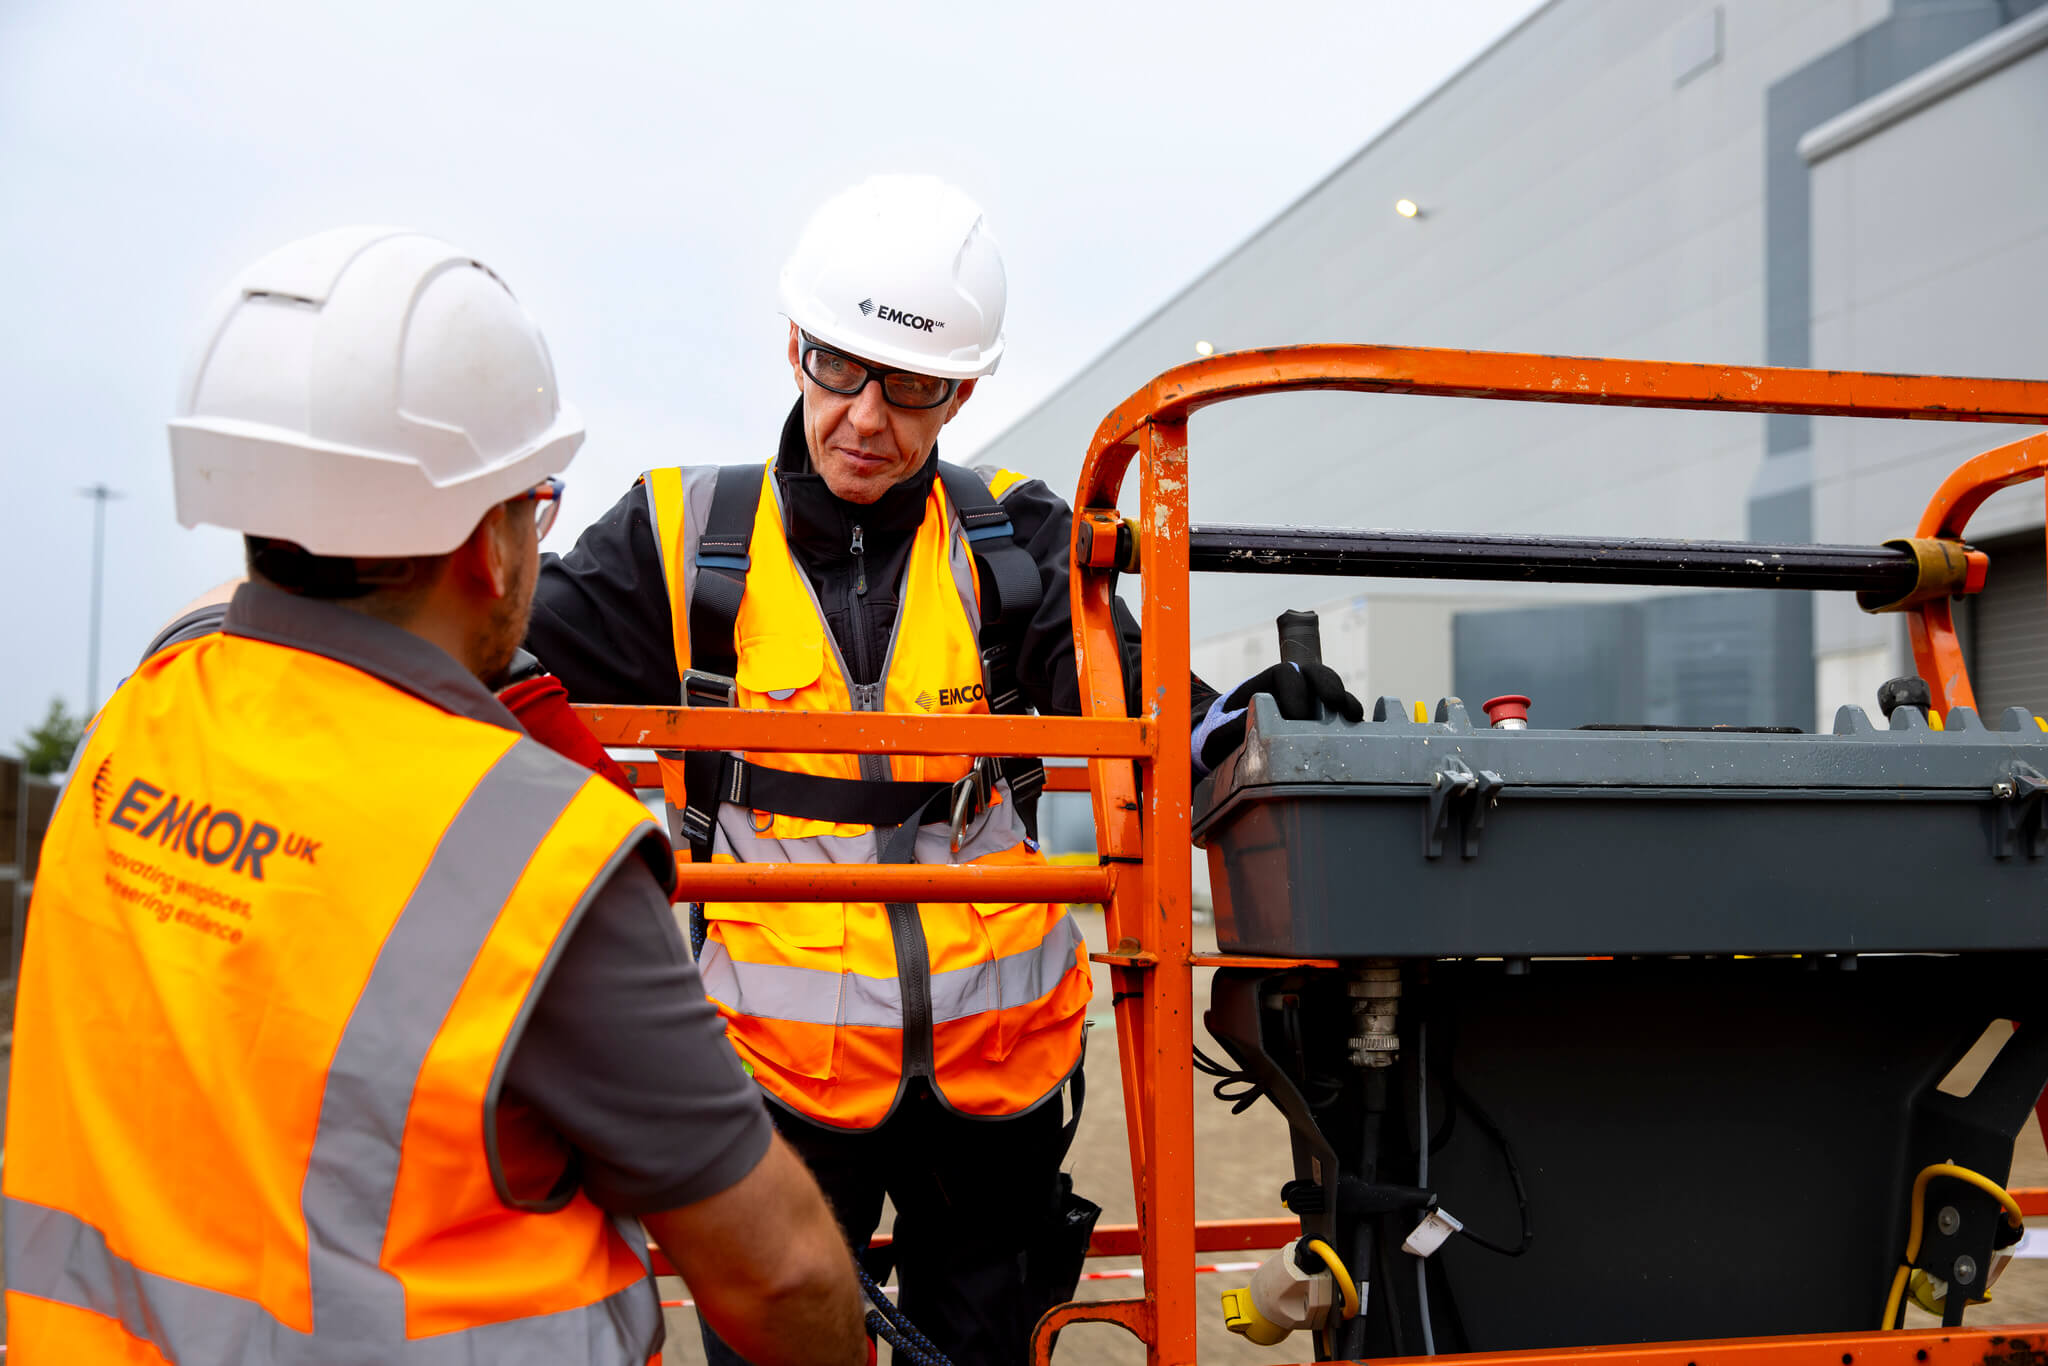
(886, 1321)
(1238, 1100)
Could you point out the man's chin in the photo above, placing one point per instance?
(852, 488)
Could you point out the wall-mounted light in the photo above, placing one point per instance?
(1407, 208)
(1203, 348)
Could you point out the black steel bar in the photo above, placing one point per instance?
(1547, 559)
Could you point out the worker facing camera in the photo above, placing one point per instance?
(853, 569)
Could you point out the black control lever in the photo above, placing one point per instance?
(1301, 642)
(1301, 638)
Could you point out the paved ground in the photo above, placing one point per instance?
(1240, 1162)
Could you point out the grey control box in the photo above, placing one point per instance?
(1398, 838)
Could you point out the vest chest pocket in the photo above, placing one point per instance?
(775, 667)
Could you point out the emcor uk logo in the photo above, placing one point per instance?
(198, 830)
(916, 322)
(952, 697)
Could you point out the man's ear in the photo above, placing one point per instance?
(960, 397)
(487, 561)
(796, 369)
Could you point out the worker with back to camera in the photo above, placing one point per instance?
(910, 1050)
(354, 1024)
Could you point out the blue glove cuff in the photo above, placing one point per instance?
(1216, 718)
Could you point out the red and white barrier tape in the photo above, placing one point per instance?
(1125, 1273)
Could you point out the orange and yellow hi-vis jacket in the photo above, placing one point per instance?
(288, 924)
(836, 1007)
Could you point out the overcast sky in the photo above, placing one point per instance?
(636, 172)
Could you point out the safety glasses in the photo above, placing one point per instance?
(842, 374)
(547, 501)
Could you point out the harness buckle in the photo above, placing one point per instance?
(701, 689)
(971, 796)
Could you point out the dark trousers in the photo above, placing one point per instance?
(970, 1195)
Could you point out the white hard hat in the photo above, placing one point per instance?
(366, 392)
(901, 270)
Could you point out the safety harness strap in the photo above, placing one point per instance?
(852, 801)
(1008, 573)
(1010, 594)
(721, 584)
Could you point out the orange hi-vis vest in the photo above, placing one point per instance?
(836, 1007)
(288, 924)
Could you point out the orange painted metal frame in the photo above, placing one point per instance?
(1142, 808)
(1937, 654)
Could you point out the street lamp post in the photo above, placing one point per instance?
(100, 495)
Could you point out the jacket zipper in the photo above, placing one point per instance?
(906, 925)
(859, 605)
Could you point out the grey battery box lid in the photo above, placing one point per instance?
(1443, 839)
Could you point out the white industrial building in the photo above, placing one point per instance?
(1840, 183)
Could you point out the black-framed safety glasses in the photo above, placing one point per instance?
(842, 374)
(547, 503)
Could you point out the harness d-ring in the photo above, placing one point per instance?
(754, 820)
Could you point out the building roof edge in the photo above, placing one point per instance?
(1297, 202)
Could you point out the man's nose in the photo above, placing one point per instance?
(870, 411)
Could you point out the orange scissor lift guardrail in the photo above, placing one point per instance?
(1140, 784)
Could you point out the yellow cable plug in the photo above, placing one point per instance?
(1242, 1316)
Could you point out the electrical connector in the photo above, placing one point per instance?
(1281, 1298)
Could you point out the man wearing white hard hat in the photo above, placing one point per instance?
(354, 1025)
(912, 1051)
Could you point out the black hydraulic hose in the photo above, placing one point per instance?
(1362, 1234)
(1549, 559)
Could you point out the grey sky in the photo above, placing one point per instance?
(636, 172)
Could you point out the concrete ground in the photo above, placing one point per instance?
(1240, 1163)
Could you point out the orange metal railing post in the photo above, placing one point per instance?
(1167, 1201)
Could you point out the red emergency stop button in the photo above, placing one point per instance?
(1509, 713)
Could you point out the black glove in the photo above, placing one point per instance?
(1295, 689)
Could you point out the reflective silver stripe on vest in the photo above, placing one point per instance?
(352, 1172)
(996, 830)
(779, 991)
(56, 1256)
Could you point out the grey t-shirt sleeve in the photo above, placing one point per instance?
(625, 1058)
